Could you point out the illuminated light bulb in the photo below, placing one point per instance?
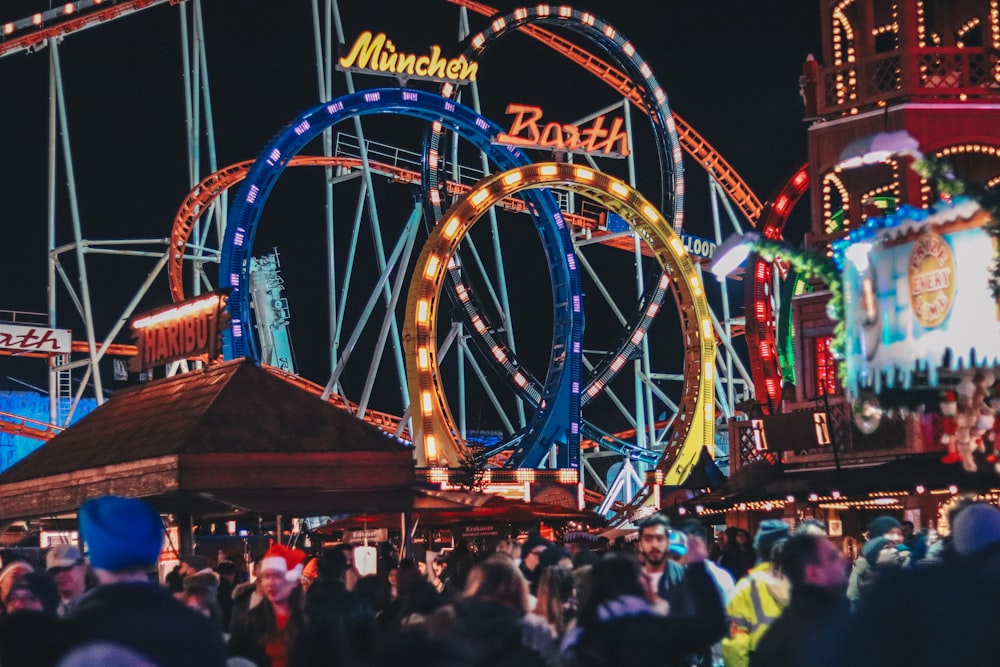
(8, 28)
(36, 19)
(664, 282)
(709, 371)
(619, 188)
(651, 213)
(433, 263)
(548, 170)
(618, 363)
(430, 447)
(584, 174)
(499, 354)
(565, 11)
(609, 32)
(543, 10)
(512, 178)
(479, 197)
(499, 24)
(637, 336)
(423, 359)
(423, 311)
(628, 49)
(477, 322)
(653, 309)
(451, 228)
(520, 13)
(426, 403)
(645, 71)
(68, 8)
(677, 245)
(587, 18)
(478, 40)
(520, 380)
(706, 328)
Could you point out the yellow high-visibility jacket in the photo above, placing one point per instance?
(755, 604)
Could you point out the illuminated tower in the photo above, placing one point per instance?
(930, 67)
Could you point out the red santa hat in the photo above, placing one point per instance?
(284, 559)
(949, 404)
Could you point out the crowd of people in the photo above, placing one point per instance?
(673, 596)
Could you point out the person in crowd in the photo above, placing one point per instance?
(124, 537)
(32, 591)
(266, 633)
(489, 624)
(738, 556)
(531, 551)
(69, 570)
(619, 626)
(227, 571)
(949, 607)
(557, 602)
(417, 599)
(11, 573)
(661, 576)
(339, 626)
(246, 596)
(444, 581)
(888, 530)
(204, 600)
(818, 610)
(811, 526)
(509, 547)
(759, 598)
(723, 579)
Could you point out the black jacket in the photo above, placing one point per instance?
(149, 620)
(804, 631)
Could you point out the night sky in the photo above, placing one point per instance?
(730, 69)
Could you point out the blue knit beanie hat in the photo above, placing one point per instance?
(120, 533)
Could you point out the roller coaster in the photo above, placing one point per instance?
(559, 394)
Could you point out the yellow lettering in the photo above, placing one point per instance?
(436, 68)
(366, 49)
(421, 67)
(469, 71)
(405, 63)
(453, 69)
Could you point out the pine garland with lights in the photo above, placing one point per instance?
(811, 264)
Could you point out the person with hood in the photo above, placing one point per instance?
(738, 556)
(759, 598)
(889, 530)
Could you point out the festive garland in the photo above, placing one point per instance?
(941, 176)
(811, 264)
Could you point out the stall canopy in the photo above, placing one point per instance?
(227, 440)
(432, 508)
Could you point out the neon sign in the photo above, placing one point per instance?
(527, 132)
(180, 331)
(376, 54)
(35, 339)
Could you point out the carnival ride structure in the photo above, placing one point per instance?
(656, 421)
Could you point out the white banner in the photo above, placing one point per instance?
(35, 339)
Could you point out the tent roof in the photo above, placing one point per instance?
(232, 437)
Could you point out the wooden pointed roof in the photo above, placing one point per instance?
(229, 438)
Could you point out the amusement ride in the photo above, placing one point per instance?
(604, 356)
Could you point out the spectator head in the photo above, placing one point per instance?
(654, 539)
(497, 579)
(11, 573)
(770, 533)
(811, 527)
(808, 559)
(280, 571)
(32, 591)
(976, 530)
(886, 526)
(124, 537)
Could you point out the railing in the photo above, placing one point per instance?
(919, 74)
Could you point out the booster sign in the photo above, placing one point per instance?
(694, 245)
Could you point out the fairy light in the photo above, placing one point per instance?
(960, 34)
